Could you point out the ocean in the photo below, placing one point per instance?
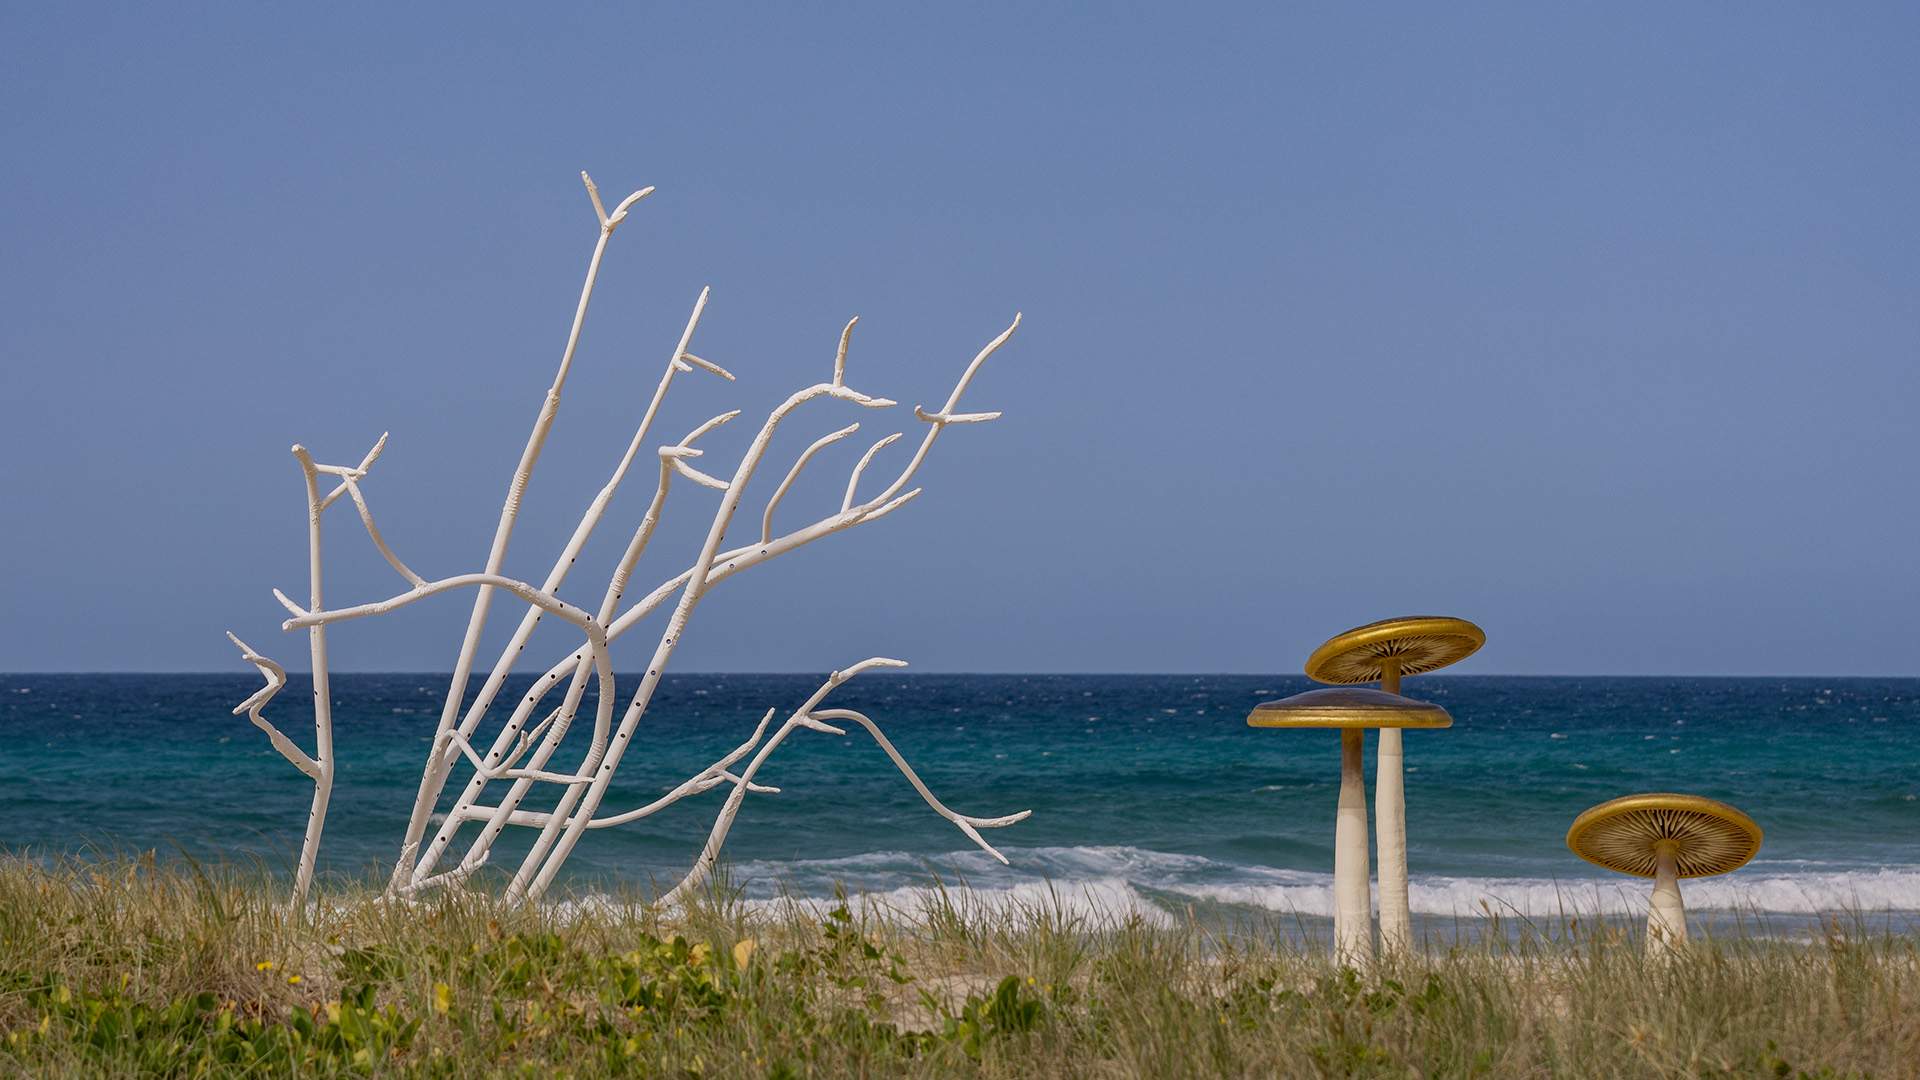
(1150, 795)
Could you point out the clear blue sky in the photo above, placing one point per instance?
(1594, 324)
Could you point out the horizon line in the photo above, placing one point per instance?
(907, 673)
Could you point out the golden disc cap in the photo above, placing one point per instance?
(1419, 642)
(1348, 707)
(1708, 837)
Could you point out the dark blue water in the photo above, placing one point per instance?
(1147, 791)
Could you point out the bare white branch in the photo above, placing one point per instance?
(276, 677)
(706, 427)
(819, 444)
(521, 753)
(810, 716)
(608, 222)
(680, 466)
(708, 365)
(966, 822)
(538, 597)
(435, 775)
(954, 418)
(366, 518)
(840, 354)
(853, 481)
(366, 463)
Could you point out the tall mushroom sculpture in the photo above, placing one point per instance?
(1382, 652)
(1665, 837)
(1351, 710)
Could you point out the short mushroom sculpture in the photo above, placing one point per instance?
(1665, 837)
(1382, 652)
(1351, 710)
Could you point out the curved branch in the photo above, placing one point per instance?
(366, 518)
(609, 222)
(349, 483)
(967, 823)
(945, 415)
(276, 677)
(853, 481)
(680, 466)
(805, 716)
(705, 780)
(686, 361)
(712, 423)
(954, 418)
(539, 598)
(840, 354)
(366, 463)
(824, 441)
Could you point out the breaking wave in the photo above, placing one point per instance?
(1110, 881)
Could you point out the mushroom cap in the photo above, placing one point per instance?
(1348, 707)
(1709, 837)
(1419, 642)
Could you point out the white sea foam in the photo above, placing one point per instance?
(1119, 880)
(1100, 900)
(1477, 897)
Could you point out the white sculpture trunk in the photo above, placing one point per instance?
(1390, 819)
(584, 786)
(1352, 900)
(1666, 915)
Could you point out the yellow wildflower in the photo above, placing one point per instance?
(264, 965)
(442, 997)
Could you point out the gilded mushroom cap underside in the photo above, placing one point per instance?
(1348, 707)
(1623, 835)
(1416, 643)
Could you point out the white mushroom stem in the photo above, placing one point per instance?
(1667, 916)
(1390, 818)
(1352, 900)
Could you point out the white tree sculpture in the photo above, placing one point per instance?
(520, 754)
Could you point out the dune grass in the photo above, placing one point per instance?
(123, 968)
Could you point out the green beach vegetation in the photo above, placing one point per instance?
(119, 967)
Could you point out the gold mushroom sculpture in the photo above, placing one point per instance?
(1665, 837)
(1351, 710)
(1382, 652)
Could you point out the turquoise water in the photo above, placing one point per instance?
(1148, 792)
